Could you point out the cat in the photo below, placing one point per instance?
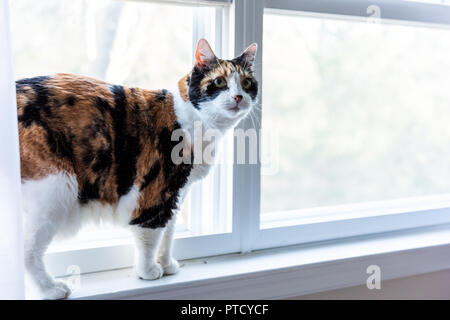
(92, 150)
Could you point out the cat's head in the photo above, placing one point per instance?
(224, 91)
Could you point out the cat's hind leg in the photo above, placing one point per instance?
(47, 204)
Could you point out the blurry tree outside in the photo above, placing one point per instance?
(362, 111)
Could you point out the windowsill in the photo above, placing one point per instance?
(283, 272)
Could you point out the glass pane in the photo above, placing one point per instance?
(360, 112)
(117, 41)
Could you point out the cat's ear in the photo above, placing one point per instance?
(204, 54)
(247, 58)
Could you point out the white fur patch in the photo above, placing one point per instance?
(54, 200)
(127, 203)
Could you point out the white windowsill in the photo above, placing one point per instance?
(283, 272)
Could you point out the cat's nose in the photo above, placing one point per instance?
(237, 98)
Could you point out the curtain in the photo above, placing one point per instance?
(11, 244)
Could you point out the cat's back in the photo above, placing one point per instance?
(81, 125)
(44, 93)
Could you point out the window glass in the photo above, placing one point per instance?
(120, 42)
(359, 112)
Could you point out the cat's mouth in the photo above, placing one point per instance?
(236, 108)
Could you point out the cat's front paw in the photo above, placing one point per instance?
(151, 272)
(59, 290)
(171, 266)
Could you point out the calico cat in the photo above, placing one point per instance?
(92, 150)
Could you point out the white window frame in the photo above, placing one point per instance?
(245, 19)
(332, 223)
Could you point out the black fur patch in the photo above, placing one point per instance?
(100, 159)
(195, 94)
(60, 143)
(71, 100)
(126, 147)
(149, 214)
(161, 95)
(253, 90)
(212, 91)
(88, 155)
(32, 111)
(165, 146)
(158, 218)
(102, 105)
(89, 191)
(151, 175)
(103, 160)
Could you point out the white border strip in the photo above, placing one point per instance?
(388, 9)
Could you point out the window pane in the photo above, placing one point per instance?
(117, 41)
(360, 111)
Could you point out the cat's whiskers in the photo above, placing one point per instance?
(252, 118)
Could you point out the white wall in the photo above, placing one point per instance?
(427, 286)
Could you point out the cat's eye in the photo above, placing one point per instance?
(220, 82)
(246, 83)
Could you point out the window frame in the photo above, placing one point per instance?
(381, 217)
(249, 232)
